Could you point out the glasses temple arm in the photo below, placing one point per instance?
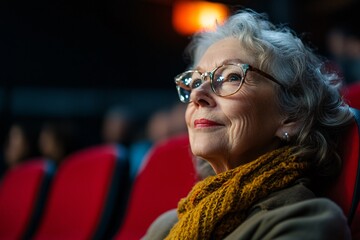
(264, 74)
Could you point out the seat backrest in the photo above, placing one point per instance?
(83, 194)
(346, 190)
(166, 176)
(23, 190)
(352, 95)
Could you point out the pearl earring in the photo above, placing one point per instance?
(286, 137)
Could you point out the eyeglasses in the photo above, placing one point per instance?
(225, 80)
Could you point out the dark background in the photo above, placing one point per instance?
(73, 59)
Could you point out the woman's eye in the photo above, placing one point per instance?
(233, 77)
(196, 83)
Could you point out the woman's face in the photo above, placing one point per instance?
(230, 131)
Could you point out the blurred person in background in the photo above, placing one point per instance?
(157, 128)
(344, 49)
(161, 124)
(20, 143)
(57, 139)
(343, 42)
(117, 126)
(177, 119)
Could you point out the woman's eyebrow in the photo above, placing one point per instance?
(226, 61)
(233, 60)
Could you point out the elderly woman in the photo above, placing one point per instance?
(266, 118)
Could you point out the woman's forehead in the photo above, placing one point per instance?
(228, 50)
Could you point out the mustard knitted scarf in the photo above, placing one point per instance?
(218, 204)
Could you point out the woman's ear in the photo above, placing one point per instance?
(288, 129)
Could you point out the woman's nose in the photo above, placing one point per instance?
(203, 96)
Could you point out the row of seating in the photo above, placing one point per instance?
(85, 198)
(73, 202)
(90, 197)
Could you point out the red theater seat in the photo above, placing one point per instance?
(165, 177)
(352, 95)
(22, 193)
(346, 190)
(82, 195)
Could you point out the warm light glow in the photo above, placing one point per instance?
(192, 16)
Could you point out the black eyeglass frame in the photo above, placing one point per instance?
(245, 68)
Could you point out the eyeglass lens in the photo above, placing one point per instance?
(225, 80)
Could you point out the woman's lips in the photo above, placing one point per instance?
(204, 123)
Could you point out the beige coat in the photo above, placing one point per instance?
(293, 213)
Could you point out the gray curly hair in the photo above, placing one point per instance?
(309, 96)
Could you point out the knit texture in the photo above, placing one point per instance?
(219, 204)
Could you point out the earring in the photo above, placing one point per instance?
(286, 137)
